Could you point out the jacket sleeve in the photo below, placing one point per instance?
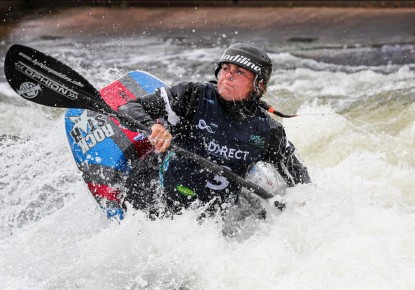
(179, 100)
(281, 153)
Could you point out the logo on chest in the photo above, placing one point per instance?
(227, 152)
(257, 140)
(202, 125)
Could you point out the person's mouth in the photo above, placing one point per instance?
(228, 85)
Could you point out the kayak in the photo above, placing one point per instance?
(104, 151)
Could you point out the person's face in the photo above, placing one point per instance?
(235, 83)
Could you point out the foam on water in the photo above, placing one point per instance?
(352, 229)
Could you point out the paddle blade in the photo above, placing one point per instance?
(44, 80)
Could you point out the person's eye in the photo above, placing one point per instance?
(225, 68)
(242, 73)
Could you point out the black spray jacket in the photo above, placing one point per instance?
(203, 123)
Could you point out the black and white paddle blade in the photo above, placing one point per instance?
(42, 79)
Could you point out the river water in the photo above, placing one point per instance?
(353, 228)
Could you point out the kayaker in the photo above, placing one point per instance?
(223, 122)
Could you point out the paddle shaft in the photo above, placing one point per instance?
(188, 154)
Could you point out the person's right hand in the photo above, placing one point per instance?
(160, 138)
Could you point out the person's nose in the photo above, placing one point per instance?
(230, 75)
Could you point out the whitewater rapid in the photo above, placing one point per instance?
(353, 228)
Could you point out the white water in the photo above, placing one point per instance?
(354, 228)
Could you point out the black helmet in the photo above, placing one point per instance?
(250, 57)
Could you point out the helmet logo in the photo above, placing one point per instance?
(244, 61)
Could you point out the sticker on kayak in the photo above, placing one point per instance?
(87, 132)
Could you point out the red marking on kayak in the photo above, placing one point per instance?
(116, 95)
(100, 190)
(141, 145)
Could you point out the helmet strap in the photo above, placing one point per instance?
(259, 87)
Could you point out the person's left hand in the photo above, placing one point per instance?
(160, 138)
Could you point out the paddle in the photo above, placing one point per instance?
(44, 80)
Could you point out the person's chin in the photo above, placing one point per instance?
(226, 96)
(224, 93)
